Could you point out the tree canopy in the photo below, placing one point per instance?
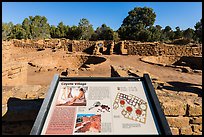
(135, 25)
(138, 25)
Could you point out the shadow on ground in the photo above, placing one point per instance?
(20, 116)
(184, 87)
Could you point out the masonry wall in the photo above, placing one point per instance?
(179, 50)
(184, 118)
(47, 43)
(80, 46)
(132, 47)
(142, 49)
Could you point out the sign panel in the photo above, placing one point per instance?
(100, 107)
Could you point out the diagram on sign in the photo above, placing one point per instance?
(133, 107)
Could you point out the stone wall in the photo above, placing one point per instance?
(14, 70)
(123, 47)
(155, 49)
(80, 46)
(179, 50)
(41, 44)
(194, 62)
(184, 118)
(142, 49)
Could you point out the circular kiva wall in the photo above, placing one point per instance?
(190, 61)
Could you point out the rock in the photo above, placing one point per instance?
(186, 69)
(186, 130)
(188, 94)
(83, 69)
(197, 71)
(178, 121)
(197, 133)
(179, 69)
(173, 107)
(174, 131)
(194, 110)
(197, 128)
(196, 120)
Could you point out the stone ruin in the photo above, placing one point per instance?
(108, 47)
(183, 110)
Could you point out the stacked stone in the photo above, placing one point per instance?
(183, 118)
(111, 48)
(142, 49)
(80, 46)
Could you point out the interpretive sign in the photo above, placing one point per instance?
(75, 105)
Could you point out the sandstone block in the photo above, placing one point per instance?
(197, 128)
(194, 110)
(174, 131)
(188, 94)
(186, 130)
(173, 107)
(178, 122)
(186, 69)
(196, 120)
(14, 71)
(197, 133)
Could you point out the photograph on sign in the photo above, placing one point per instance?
(72, 96)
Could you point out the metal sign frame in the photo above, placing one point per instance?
(163, 126)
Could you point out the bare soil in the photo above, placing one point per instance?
(42, 65)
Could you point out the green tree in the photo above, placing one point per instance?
(178, 33)
(74, 33)
(144, 35)
(104, 33)
(167, 34)
(198, 31)
(39, 27)
(18, 32)
(26, 26)
(155, 34)
(87, 29)
(6, 30)
(138, 19)
(94, 36)
(62, 30)
(116, 36)
(52, 31)
(189, 33)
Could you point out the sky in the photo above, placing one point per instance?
(182, 14)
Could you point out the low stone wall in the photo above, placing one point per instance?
(123, 47)
(194, 62)
(142, 49)
(14, 70)
(80, 46)
(40, 44)
(179, 50)
(155, 49)
(184, 118)
(6, 51)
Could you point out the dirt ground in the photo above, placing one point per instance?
(44, 64)
(47, 57)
